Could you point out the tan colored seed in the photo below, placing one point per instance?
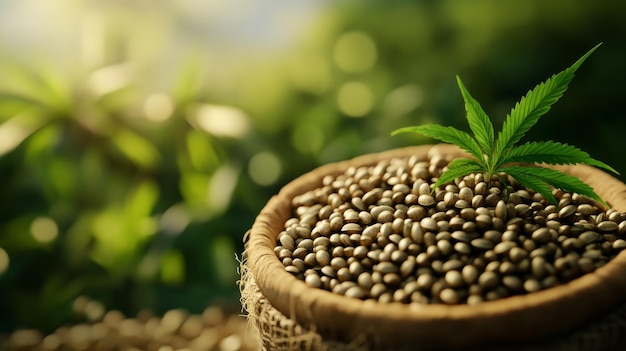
(426, 200)
(541, 235)
(322, 257)
(589, 237)
(607, 226)
(449, 296)
(482, 244)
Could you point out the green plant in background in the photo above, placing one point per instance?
(494, 156)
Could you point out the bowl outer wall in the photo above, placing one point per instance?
(518, 318)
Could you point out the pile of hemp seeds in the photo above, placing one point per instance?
(381, 233)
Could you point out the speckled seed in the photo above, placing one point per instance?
(287, 242)
(426, 200)
(589, 237)
(607, 226)
(586, 209)
(567, 211)
(538, 266)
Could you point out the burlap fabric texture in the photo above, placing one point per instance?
(588, 313)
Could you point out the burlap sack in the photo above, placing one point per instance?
(588, 313)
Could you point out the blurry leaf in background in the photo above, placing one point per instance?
(219, 120)
(16, 129)
(173, 268)
(4, 261)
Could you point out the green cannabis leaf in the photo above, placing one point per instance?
(493, 155)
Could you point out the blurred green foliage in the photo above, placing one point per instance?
(132, 161)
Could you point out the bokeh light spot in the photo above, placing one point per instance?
(355, 52)
(158, 107)
(44, 229)
(4, 261)
(175, 219)
(264, 168)
(355, 99)
(221, 120)
(403, 100)
(308, 138)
